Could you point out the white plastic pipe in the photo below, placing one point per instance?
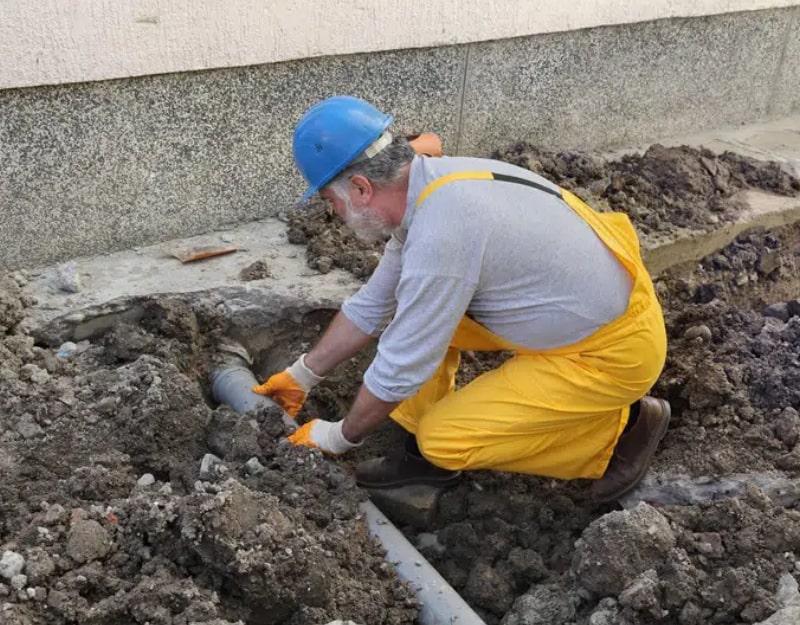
(440, 604)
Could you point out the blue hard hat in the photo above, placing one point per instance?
(332, 134)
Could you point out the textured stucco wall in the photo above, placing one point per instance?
(58, 41)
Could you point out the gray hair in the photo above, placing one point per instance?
(382, 169)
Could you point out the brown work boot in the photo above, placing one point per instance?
(634, 451)
(403, 467)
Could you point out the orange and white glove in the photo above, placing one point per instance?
(290, 387)
(323, 435)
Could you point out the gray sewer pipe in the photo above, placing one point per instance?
(232, 382)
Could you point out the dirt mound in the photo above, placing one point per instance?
(108, 515)
(330, 243)
(662, 190)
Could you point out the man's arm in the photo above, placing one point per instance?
(341, 341)
(366, 414)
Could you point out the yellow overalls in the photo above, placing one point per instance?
(555, 412)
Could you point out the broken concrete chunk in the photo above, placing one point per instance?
(87, 541)
(254, 467)
(543, 605)
(18, 582)
(620, 546)
(146, 480)
(27, 428)
(11, 564)
(788, 594)
(643, 594)
(209, 466)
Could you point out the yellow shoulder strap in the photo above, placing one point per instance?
(480, 175)
(459, 175)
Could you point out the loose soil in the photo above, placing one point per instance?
(102, 497)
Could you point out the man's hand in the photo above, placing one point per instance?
(290, 387)
(323, 435)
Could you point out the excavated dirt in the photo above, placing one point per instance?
(107, 517)
(664, 190)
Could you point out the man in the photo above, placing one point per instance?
(483, 255)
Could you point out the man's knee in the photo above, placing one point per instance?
(439, 449)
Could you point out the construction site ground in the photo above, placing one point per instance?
(113, 511)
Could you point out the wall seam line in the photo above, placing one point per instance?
(461, 99)
(773, 96)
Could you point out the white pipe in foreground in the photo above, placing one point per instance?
(440, 604)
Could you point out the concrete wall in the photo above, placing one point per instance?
(100, 166)
(53, 41)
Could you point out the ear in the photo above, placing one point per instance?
(363, 189)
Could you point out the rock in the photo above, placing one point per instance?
(709, 544)
(777, 311)
(67, 278)
(643, 594)
(209, 466)
(607, 613)
(87, 541)
(27, 428)
(787, 426)
(146, 480)
(255, 271)
(788, 594)
(413, 505)
(426, 541)
(11, 564)
(547, 604)
(35, 374)
(488, 590)
(793, 307)
(786, 616)
(254, 467)
(620, 546)
(54, 514)
(18, 582)
(67, 350)
(702, 332)
(324, 264)
(768, 262)
(39, 566)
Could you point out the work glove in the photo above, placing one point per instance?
(290, 387)
(323, 435)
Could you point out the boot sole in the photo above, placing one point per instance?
(442, 482)
(651, 451)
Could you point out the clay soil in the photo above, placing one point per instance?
(106, 517)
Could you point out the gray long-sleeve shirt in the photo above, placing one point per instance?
(518, 260)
